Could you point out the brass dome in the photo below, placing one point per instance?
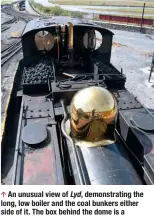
(92, 110)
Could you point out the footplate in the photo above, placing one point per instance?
(37, 158)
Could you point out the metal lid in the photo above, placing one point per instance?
(34, 134)
(143, 121)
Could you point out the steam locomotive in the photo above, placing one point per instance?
(77, 123)
(21, 5)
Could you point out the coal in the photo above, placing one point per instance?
(38, 72)
(106, 68)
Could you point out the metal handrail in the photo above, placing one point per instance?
(152, 67)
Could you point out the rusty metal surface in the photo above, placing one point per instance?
(39, 166)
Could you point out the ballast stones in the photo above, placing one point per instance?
(34, 135)
(144, 121)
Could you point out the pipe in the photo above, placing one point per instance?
(18, 143)
(63, 32)
(57, 41)
(81, 177)
(70, 39)
(142, 17)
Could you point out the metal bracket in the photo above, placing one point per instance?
(51, 122)
(127, 101)
(40, 113)
(33, 113)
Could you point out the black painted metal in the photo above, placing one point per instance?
(34, 134)
(126, 100)
(143, 121)
(110, 165)
(60, 175)
(18, 150)
(139, 142)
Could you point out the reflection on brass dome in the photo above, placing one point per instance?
(93, 114)
(44, 40)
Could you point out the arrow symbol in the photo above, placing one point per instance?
(3, 193)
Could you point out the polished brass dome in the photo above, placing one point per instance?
(92, 110)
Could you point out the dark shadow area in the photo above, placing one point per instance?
(10, 130)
